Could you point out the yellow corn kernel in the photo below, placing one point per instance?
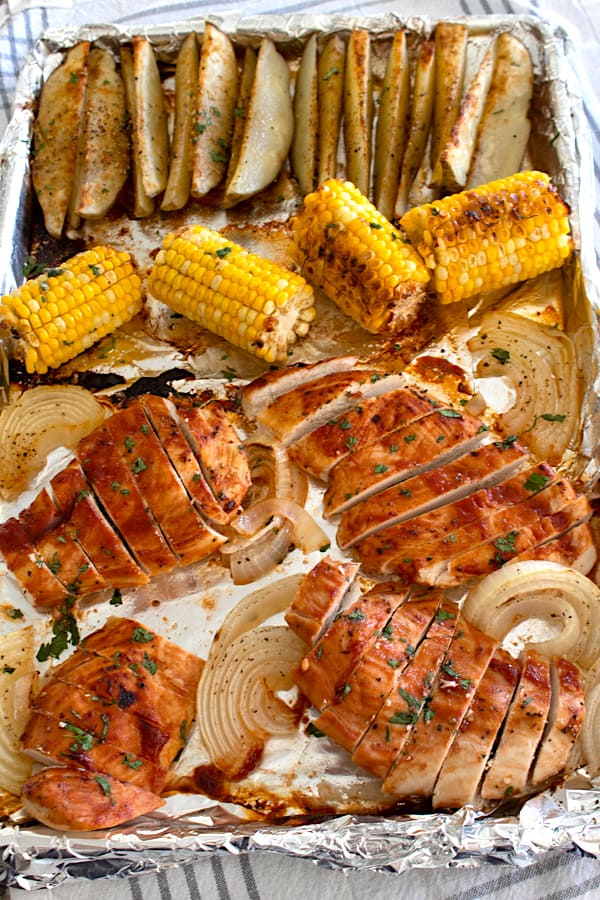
(53, 317)
(227, 289)
(504, 232)
(362, 263)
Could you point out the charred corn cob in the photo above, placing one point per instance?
(54, 317)
(252, 302)
(491, 236)
(361, 262)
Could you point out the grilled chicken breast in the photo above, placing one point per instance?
(318, 598)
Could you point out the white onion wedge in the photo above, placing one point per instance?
(307, 533)
(251, 559)
(40, 420)
(17, 672)
(540, 591)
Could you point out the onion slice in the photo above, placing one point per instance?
(250, 560)
(542, 591)
(37, 422)
(17, 672)
(237, 705)
(307, 533)
(538, 366)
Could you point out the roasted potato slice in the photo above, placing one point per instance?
(186, 84)
(105, 151)
(504, 129)
(450, 60)
(243, 102)
(358, 110)
(306, 119)
(422, 189)
(420, 123)
(331, 87)
(392, 126)
(143, 205)
(150, 125)
(56, 137)
(268, 128)
(456, 156)
(215, 104)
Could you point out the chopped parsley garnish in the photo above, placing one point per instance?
(393, 663)
(104, 784)
(442, 615)
(129, 442)
(117, 598)
(409, 438)
(222, 252)
(149, 664)
(141, 635)
(83, 739)
(536, 481)
(448, 669)
(506, 543)
(387, 632)
(314, 731)
(14, 613)
(356, 616)
(138, 465)
(450, 414)
(65, 631)
(411, 701)
(379, 469)
(132, 762)
(404, 718)
(501, 355)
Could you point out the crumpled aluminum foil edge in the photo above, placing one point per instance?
(568, 821)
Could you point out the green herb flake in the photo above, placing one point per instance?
(450, 414)
(129, 443)
(344, 424)
(409, 438)
(379, 469)
(132, 762)
(443, 615)
(393, 663)
(8, 670)
(330, 73)
(117, 598)
(501, 355)
(506, 543)
(145, 429)
(96, 270)
(346, 689)
(351, 442)
(142, 636)
(14, 613)
(149, 664)
(138, 465)
(104, 785)
(387, 632)
(404, 718)
(223, 252)
(553, 417)
(314, 731)
(536, 482)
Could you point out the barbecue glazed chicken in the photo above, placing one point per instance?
(427, 702)
(146, 492)
(418, 488)
(109, 722)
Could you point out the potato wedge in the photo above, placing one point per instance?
(331, 86)
(268, 128)
(215, 104)
(358, 110)
(150, 125)
(143, 205)
(504, 128)
(392, 126)
(306, 119)
(243, 102)
(106, 152)
(450, 60)
(422, 189)
(420, 123)
(186, 83)
(56, 137)
(455, 158)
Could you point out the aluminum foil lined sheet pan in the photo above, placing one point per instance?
(189, 604)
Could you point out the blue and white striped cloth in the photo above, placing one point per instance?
(272, 876)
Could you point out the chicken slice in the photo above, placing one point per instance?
(104, 720)
(523, 728)
(117, 489)
(216, 443)
(41, 516)
(400, 710)
(28, 567)
(135, 645)
(188, 535)
(487, 557)
(433, 441)
(77, 800)
(325, 670)
(48, 739)
(467, 758)
(348, 716)
(66, 559)
(163, 416)
(307, 407)
(443, 484)
(565, 720)
(319, 596)
(367, 421)
(416, 768)
(575, 548)
(420, 547)
(266, 388)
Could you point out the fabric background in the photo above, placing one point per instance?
(262, 876)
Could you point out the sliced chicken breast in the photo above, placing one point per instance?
(565, 719)
(347, 717)
(305, 408)
(469, 753)
(416, 767)
(401, 709)
(66, 559)
(575, 548)
(28, 567)
(41, 516)
(433, 441)
(319, 597)
(523, 729)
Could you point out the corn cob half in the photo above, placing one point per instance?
(361, 262)
(54, 317)
(491, 236)
(252, 302)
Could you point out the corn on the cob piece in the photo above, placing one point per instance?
(252, 302)
(54, 317)
(491, 236)
(362, 263)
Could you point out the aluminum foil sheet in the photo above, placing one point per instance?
(33, 856)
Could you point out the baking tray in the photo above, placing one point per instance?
(37, 857)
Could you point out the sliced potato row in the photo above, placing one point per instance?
(235, 122)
